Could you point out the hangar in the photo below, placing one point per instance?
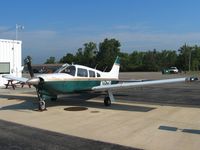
(10, 58)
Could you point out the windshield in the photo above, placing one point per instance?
(69, 70)
(61, 68)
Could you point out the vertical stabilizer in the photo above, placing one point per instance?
(114, 73)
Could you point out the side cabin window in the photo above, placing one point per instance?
(91, 73)
(82, 72)
(98, 75)
(70, 70)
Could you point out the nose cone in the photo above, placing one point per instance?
(33, 81)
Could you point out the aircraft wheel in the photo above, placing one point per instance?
(42, 105)
(107, 101)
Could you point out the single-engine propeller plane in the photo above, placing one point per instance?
(78, 78)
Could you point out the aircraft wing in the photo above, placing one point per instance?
(15, 78)
(124, 85)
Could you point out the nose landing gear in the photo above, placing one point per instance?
(41, 103)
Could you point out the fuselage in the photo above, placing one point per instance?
(75, 78)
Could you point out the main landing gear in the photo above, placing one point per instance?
(108, 99)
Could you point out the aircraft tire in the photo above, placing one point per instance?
(42, 105)
(107, 101)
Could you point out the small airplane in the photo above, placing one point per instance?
(78, 78)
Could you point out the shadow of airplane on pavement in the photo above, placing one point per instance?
(77, 99)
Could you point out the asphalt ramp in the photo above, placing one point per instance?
(19, 137)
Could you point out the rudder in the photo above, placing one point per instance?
(114, 72)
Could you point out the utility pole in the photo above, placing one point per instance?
(190, 59)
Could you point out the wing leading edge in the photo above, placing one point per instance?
(123, 85)
(24, 80)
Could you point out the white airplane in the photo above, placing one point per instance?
(78, 78)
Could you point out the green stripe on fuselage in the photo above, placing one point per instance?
(63, 87)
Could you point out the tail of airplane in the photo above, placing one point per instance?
(114, 72)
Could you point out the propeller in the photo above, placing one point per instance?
(27, 61)
(33, 80)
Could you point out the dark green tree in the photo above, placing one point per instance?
(136, 61)
(166, 59)
(124, 61)
(86, 55)
(184, 58)
(150, 61)
(195, 58)
(68, 58)
(187, 57)
(50, 60)
(89, 54)
(79, 57)
(108, 51)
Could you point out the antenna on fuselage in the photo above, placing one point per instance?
(105, 68)
(96, 66)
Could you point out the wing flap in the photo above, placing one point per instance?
(136, 84)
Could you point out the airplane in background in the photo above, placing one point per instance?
(78, 78)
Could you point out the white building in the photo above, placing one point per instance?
(10, 59)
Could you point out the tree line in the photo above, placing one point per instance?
(102, 57)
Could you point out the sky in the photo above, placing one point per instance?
(57, 27)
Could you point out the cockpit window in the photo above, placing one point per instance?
(69, 70)
(82, 72)
(91, 73)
